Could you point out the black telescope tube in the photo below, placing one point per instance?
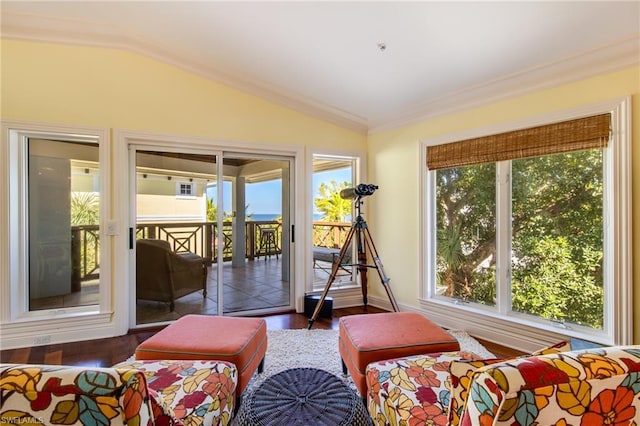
(362, 190)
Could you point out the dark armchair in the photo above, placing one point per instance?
(164, 276)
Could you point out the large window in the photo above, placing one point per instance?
(532, 226)
(54, 265)
(64, 223)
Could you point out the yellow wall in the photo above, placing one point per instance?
(112, 88)
(393, 164)
(169, 208)
(82, 183)
(116, 89)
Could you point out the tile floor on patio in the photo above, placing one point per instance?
(258, 285)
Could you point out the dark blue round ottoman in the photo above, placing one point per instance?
(303, 396)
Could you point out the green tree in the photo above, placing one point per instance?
(212, 212)
(466, 228)
(332, 206)
(85, 208)
(556, 232)
(553, 285)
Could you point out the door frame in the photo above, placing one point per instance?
(124, 202)
(288, 252)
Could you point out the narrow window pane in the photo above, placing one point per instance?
(64, 206)
(332, 217)
(557, 248)
(466, 233)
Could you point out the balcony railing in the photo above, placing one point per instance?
(200, 238)
(330, 234)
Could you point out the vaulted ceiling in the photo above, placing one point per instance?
(365, 65)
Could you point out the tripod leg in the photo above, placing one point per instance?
(334, 271)
(378, 265)
(362, 268)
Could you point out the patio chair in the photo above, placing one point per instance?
(324, 255)
(164, 276)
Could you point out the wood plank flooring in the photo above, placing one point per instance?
(107, 352)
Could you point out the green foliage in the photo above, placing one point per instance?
(483, 290)
(557, 234)
(85, 208)
(333, 207)
(465, 198)
(212, 212)
(552, 285)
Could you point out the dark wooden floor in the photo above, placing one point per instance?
(107, 352)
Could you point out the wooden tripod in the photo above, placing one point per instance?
(360, 230)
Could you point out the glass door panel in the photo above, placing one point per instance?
(257, 210)
(232, 219)
(175, 233)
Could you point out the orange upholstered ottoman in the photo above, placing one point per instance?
(240, 341)
(370, 338)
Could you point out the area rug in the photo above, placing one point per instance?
(287, 349)
(319, 349)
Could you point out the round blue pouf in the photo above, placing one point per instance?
(303, 396)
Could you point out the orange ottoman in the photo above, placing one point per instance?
(371, 338)
(240, 341)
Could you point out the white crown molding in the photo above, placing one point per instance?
(613, 57)
(48, 30)
(616, 56)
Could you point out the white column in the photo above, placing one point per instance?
(239, 223)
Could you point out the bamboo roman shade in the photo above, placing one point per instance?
(556, 138)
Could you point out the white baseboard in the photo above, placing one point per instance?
(49, 332)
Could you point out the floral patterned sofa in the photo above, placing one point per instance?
(551, 387)
(187, 393)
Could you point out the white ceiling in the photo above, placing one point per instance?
(323, 57)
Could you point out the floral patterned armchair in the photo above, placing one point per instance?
(589, 387)
(171, 393)
(413, 389)
(53, 394)
(554, 386)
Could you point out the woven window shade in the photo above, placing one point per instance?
(566, 136)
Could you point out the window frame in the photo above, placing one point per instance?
(182, 184)
(349, 291)
(18, 325)
(498, 323)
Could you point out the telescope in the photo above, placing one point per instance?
(362, 190)
(364, 242)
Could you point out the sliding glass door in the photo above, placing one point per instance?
(258, 212)
(202, 220)
(173, 236)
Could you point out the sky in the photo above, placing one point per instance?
(266, 197)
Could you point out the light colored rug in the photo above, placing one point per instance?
(319, 349)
